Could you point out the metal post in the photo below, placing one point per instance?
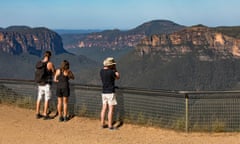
(186, 113)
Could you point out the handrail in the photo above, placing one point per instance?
(209, 92)
(134, 89)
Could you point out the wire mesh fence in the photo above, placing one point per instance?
(217, 111)
(179, 110)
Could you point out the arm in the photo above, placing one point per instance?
(70, 75)
(117, 74)
(51, 67)
(56, 75)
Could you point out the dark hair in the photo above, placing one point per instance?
(47, 54)
(64, 65)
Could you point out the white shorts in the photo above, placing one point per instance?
(109, 99)
(44, 90)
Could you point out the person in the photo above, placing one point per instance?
(62, 77)
(108, 76)
(44, 88)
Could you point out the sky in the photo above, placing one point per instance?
(117, 14)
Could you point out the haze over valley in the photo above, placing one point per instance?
(158, 54)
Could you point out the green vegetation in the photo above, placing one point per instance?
(218, 126)
(23, 66)
(99, 54)
(9, 96)
(185, 73)
(230, 31)
(156, 27)
(150, 71)
(83, 110)
(179, 124)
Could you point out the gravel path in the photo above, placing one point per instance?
(19, 126)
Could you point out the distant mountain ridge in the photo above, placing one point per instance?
(208, 43)
(156, 27)
(194, 58)
(22, 39)
(76, 31)
(184, 58)
(116, 38)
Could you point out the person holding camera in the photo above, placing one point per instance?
(108, 76)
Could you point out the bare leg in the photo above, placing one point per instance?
(104, 108)
(65, 106)
(59, 106)
(110, 115)
(45, 107)
(38, 106)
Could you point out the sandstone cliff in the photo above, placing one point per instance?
(207, 43)
(113, 39)
(20, 39)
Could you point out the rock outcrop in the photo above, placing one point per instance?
(113, 39)
(20, 39)
(207, 43)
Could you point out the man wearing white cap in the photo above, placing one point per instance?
(108, 75)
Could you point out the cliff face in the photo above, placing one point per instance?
(119, 39)
(102, 40)
(207, 43)
(18, 40)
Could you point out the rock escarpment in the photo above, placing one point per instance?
(207, 43)
(112, 39)
(20, 39)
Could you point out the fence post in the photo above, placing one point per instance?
(186, 112)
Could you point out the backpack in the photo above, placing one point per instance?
(41, 72)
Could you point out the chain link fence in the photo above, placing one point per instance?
(179, 110)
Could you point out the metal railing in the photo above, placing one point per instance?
(179, 110)
(212, 110)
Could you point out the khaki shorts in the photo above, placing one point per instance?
(44, 90)
(109, 99)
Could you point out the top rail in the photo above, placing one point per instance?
(131, 89)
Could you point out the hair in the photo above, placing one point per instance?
(64, 65)
(47, 54)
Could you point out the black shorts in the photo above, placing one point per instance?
(63, 92)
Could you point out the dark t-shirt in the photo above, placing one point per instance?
(48, 76)
(63, 81)
(108, 80)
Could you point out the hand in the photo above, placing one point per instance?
(114, 67)
(70, 75)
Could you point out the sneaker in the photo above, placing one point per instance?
(49, 112)
(38, 116)
(46, 117)
(112, 128)
(61, 119)
(104, 126)
(65, 118)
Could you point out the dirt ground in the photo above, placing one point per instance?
(19, 126)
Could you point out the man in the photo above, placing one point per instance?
(44, 87)
(108, 75)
